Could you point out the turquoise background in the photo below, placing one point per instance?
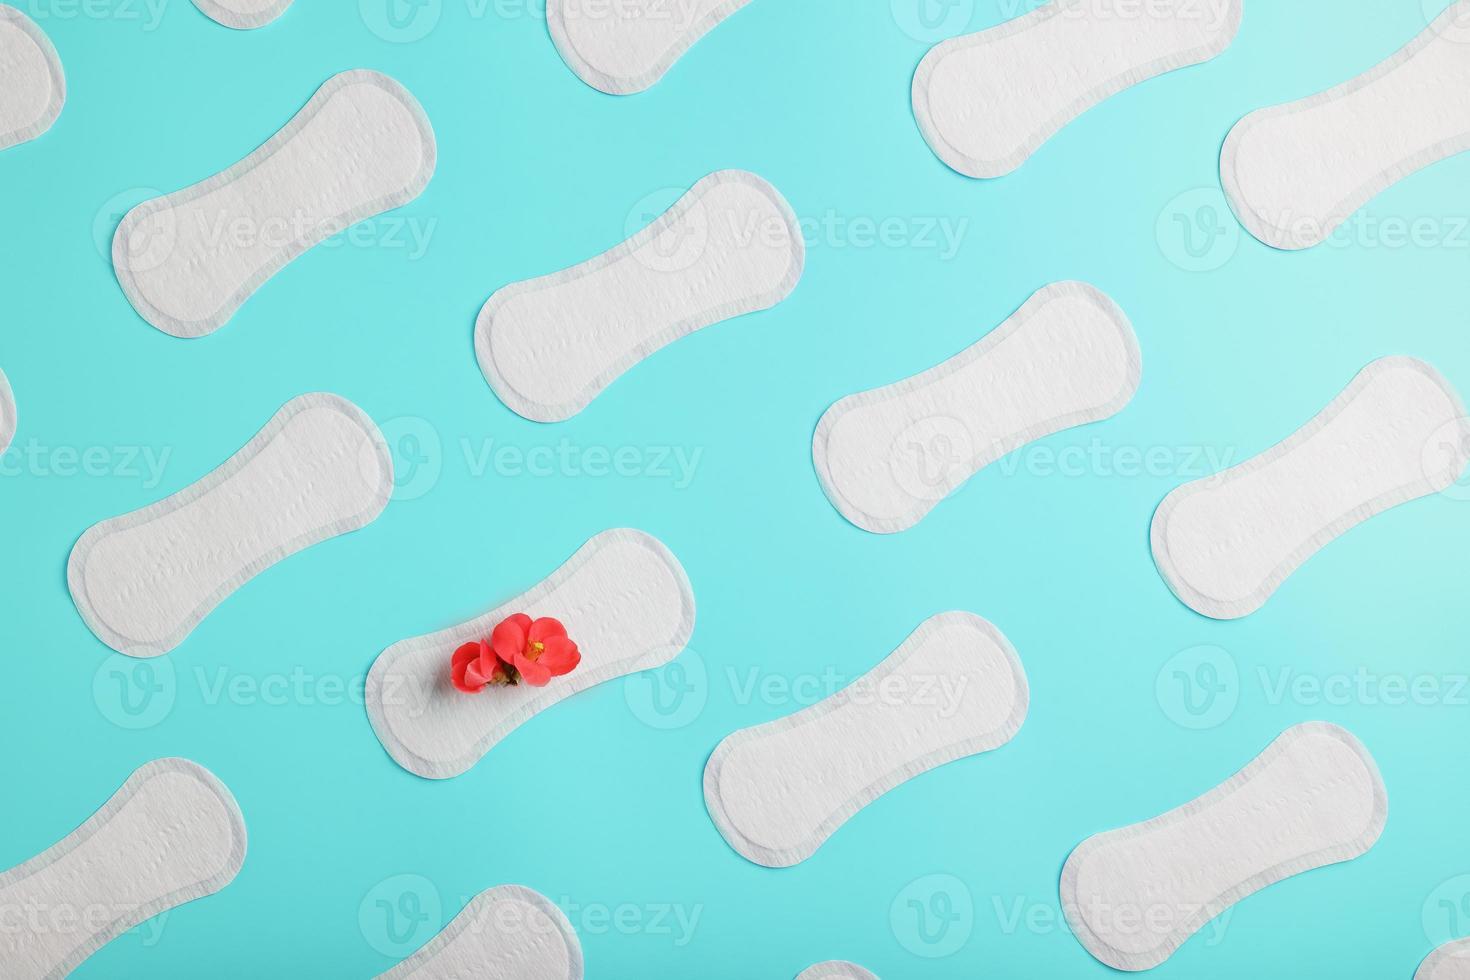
(598, 803)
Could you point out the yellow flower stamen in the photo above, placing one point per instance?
(536, 650)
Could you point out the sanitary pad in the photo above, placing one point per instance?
(187, 261)
(886, 457)
(626, 46)
(730, 246)
(1449, 962)
(32, 85)
(954, 688)
(1295, 172)
(172, 834)
(1226, 543)
(1313, 798)
(987, 101)
(143, 581)
(623, 598)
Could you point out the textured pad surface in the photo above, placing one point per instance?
(730, 246)
(1226, 543)
(187, 261)
(779, 790)
(318, 469)
(1313, 798)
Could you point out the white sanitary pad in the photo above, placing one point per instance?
(243, 14)
(506, 933)
(188, 260)
(1295, 172)
(143, 581)
(32, 85)
(1226, 543)
(172, 834)
(624, 600)
(886, 457)
(985, 102)
(954, 688)
(1313, 798)
(8, 416)
(836, 970)
(730, 246)
(625, 47)
(1449, 962)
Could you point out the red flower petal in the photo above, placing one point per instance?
(473, 676)
(509, 638)
(532, 672)
(560, 656)
(466, 653)
(544, 629)
(460, 673)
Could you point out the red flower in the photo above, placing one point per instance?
(538, 651)
(519, 649)
(474, 666)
